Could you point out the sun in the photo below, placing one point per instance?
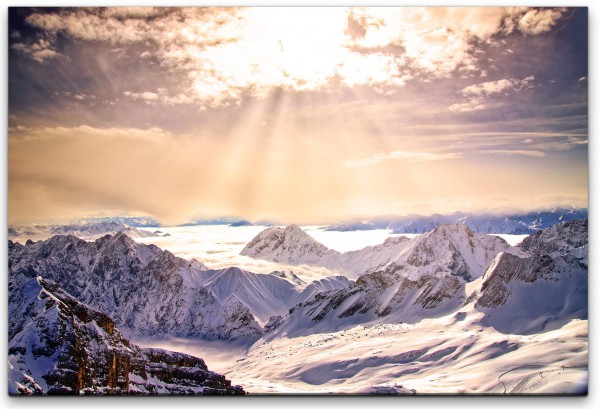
(305, 45)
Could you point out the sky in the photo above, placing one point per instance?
(303, 115)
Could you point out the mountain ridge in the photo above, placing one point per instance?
(514, 223)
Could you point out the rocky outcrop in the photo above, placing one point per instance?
(61, 346)
(509, 268)
(561, 239)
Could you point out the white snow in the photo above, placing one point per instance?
(450, 355)
(512, 239)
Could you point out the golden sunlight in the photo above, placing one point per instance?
(306, 45)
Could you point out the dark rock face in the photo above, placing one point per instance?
(508, 267)
(560, 238)
(68, 348)
(146, 290)
(552, 254)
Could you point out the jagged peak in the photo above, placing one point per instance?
(291, 232)
(58, 241)
(233, 270)
(293, 228)
(446, 228)
(121, 238)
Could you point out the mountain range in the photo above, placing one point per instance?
(516, 223)
(447, 249)
(68, 296)
(438, 273)
(88, 230)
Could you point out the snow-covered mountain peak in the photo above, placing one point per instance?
(445, 250)
(448, 250)
(452, 229)
(290, 244)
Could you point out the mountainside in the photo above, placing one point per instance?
(526, 223)
(448, 249)
(147, 291)
(58, 345)
(376, 297)
(265, 295)
(561, 239)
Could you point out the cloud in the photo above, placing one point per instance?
(477, 94)
(145, 96)
(503, 86)
(40, 50)
(79, 96)
(521, 152)
(538, 21)
(233, 53)
(161, 95)
(404, 155)
(474, 104)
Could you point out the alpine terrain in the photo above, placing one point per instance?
(68, 296)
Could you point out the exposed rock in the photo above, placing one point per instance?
(561, 239)
(64, 347)
(507, 268)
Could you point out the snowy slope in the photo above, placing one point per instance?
(147, 291)
(61, 346)
(265, 295)
(521, 328)
(438, 356)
